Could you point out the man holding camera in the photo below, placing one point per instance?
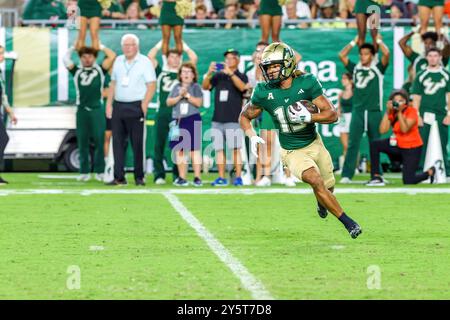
(230, 85)
(405, 143)
(431, 97)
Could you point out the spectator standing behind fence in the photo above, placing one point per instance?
(201, 13)
(4, 105)
(167, 78)
(431, 97)
(346, 8)
(133, 83)
(403, 145)
(186, 130)
(270, 16)
(229, 13)
(328, 11)
(294, 10)
(229, 85)
(115, 11)
(89, 80)
(44, 9)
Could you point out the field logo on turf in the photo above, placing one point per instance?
(74, 279)
(374, 277)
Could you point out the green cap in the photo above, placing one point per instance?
(233, 51)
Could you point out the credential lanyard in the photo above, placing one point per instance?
(131, 67)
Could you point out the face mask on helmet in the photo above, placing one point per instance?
(270, 72)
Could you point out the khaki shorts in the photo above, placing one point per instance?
(315, 156)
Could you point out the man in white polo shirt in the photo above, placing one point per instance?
(133, 84)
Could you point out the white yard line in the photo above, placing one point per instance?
(253, 285)
(58, 176)
(223, 191)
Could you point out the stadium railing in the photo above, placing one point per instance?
(9, 17)
(218, 22)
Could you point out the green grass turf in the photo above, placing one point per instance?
(151, 253)
(20, 181)
(283, 241)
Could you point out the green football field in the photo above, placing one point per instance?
(63, 239)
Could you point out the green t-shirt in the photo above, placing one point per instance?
(276, 102)
(165, 82)
(432, 86)
(368, 93)
(89, 84)
(44, 9)
(420, 63)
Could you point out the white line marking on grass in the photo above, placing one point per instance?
(337, 247)
(49, 176)
(249, 282)
(96, 248)
(245, 191)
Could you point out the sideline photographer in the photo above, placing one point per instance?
(405, 143)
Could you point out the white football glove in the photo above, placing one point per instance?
(254, 141)
(301, 116)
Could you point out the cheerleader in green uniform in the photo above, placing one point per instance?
(91, 12)
(170, 20)
(364, 9)
(270, 15)
(428, 8)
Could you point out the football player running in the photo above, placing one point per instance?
(302, 149)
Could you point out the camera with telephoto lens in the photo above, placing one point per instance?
(395, 105)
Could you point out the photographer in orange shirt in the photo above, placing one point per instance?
(405, 143)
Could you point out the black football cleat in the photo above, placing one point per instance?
(322, 211)
(140, 183)
(117, 183)
(355, 231)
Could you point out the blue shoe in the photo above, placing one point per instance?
(238, 182)
(219, 182)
